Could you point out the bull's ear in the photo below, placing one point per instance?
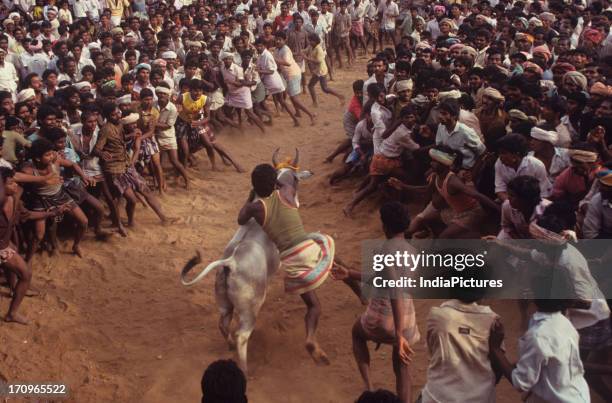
(301, 175)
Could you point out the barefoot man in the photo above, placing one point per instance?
(307, 258)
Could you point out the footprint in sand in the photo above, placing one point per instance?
(62, 304)
(171, 238)
(280, 326)
(134, 273)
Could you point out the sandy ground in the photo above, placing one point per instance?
(118, 326)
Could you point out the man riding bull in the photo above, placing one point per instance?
(307, 258)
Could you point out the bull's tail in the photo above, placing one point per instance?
(230, 262)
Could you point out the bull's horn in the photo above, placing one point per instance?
(297, 157)
(275, 157)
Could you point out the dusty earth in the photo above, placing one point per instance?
(118, 325)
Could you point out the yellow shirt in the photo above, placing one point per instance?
(190, 110)
(317, 67)
(146, 118)
(116, 6)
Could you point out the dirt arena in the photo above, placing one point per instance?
(118, 325)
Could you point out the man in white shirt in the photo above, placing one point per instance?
(317, 25)
(549, 368)
(513, 161)
(327, 16)
(433, 26)
(380, 76)
(164, 130)
(25, 5)
(79, 8)
(33, 59)
(381, 119)
(8, 75)
(456, 135)
(243, 7)
(358, 12)
(542, 145)
(389, 11)
(381, 115)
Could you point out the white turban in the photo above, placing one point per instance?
(26, 94)
(169, 55)
(493, 94)
(577, 78)
(546, 16)
(124, 100)
(82, 84)
(535, 21)
(403, 85)
(544, 135)
(131, 118)
(191, 44)
(454, 94)
(162, 90)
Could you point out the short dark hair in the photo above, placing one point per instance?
(357, 85)
(195, 84)
(40, 147)
(527, 187)
(223, 382)
(394, 217)
(542, 287)
(314, 38)
(465, 294)
(374, 90)
(6, 173)
(108, 108)
(146, 92)
(564, 213)
(11, 122)
(513, 143)
(88, 69)
(263, 179)
(5, 94)
(54, 134)
(555, 104)
(46, 110)
(379, 396)
(451, 106)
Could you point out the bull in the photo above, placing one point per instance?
(243, 273)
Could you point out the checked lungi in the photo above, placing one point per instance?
(308, 264)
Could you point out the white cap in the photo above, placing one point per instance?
(131, 118)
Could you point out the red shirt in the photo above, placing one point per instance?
(355, 107)
(281, 23)
(569, 185)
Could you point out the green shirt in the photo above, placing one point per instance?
(9, 147)
(282, 222)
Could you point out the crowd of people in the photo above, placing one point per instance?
(495, 115)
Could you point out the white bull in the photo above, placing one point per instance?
(243, 273)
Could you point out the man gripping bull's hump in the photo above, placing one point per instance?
(306, 258)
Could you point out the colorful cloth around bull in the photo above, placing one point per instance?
(308, 264)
